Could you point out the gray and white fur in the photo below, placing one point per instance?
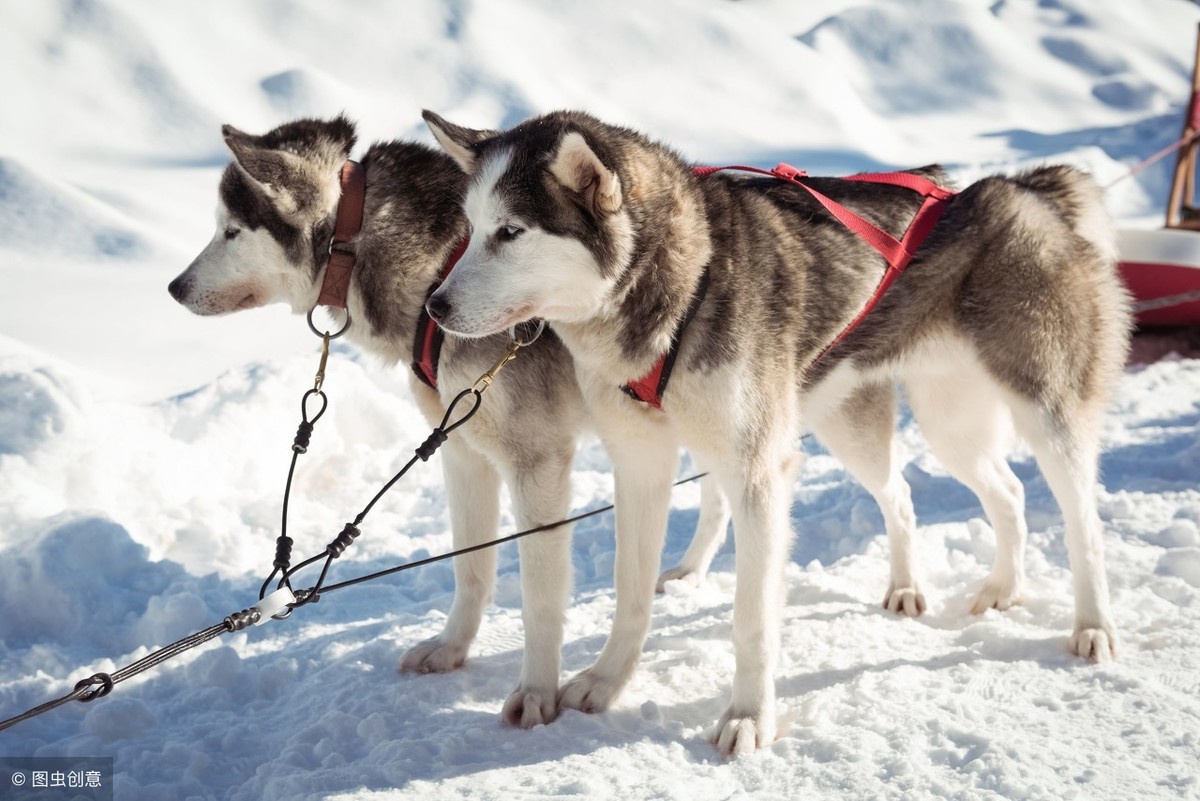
(1011, 316)
(277, 205)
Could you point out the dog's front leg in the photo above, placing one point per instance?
(541, 491)
(762, 533)
(473, 492)
(645, 456)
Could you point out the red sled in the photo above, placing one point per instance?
(1162, 270)
(1161, 267)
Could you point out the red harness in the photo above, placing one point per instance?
(898, 253)
(427, 344)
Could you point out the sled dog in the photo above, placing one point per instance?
(278, 200)
(1010, 315)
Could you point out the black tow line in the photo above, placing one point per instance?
(279, 604)
(99, 685)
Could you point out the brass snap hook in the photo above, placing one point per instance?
(510, 352)
(320, 378)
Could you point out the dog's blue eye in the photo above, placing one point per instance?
(230, 233)
(508, 233)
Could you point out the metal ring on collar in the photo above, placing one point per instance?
(537, 333)
(312, 327)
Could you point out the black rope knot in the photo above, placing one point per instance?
(343, 541)
(283, 552)
(303, 437)
(105, 687)
(429, 446)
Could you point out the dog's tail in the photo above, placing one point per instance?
(1079, 200)
(1096, 284)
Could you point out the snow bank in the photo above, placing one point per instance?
(948, 705)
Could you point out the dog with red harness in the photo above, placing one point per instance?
(301, 224)
(781, 301)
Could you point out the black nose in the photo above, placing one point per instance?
(179, 288)
(437, 306)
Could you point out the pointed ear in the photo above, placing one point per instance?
(278, 172)
(457, 141)
(579, 169)
(342, 131)
(231, 134)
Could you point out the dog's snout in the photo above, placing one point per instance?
(179, 287)
(437, 306)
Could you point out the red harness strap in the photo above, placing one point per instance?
(427, 343)
(898, 253)
(650, 387)
(336, 285)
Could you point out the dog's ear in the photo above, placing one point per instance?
(277, 172)
(341, 131)
(579, 169)
(238, 141)
(457, 141)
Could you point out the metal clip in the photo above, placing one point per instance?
(312, 326)
(510, 352)
(537, 333)
(324, 359)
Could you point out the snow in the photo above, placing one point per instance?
(143, 450)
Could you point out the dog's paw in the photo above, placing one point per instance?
(434, 655)
(684, 575)
(528, 707)
(740, 733)
(995, 595)
(906, 601)
(590, 691)
(1095, 643)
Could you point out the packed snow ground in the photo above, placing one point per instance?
(143, 451)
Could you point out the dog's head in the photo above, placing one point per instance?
(274, 219)
(550, 229)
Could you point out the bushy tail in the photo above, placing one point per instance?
(1080, 202)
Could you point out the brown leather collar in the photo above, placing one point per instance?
(341, 251)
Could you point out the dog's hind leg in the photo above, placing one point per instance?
(969, 429)
(473, 491)
(710, 533)
(858, 432)
(541, 491)
(1066, 445)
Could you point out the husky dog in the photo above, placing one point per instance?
(1010, 313)
(275, 219)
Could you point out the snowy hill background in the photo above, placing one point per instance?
(142, 450)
